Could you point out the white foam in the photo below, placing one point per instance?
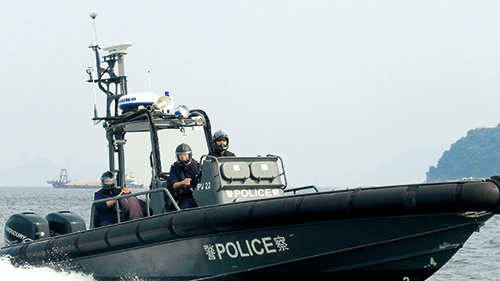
(9, 272)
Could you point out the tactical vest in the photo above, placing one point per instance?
(181, 172)
(216, 154)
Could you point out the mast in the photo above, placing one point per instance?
(135, 113)
(109, 75)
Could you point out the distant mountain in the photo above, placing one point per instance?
(34, 173)
(409, 167)
(476, 155)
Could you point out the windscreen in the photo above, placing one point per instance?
(138, 150)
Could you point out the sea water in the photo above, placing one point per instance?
(479, 259)
(43, 201)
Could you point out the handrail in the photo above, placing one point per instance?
(282, 169)
(117, 208)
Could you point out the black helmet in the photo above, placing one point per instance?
(220, 134)
(107, 175)
(183, 149)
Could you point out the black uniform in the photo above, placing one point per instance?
(184, 194)
(216, 154)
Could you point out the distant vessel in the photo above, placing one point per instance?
(131, 182)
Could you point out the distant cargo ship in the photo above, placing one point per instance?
(63, 182)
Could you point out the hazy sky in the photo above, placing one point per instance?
(334, 87)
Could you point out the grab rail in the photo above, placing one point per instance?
(117, 207)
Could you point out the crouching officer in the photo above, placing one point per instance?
(183, 174)
(106, 211)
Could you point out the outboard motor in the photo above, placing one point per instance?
(25, 227)
(64, 222)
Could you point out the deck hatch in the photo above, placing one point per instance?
(235, 171)
(265, 170)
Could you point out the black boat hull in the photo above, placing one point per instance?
(391, 233)
(401, 248)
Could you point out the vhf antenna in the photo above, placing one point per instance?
(149, 80)
(93, 15)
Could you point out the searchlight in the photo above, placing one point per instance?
(181, 111)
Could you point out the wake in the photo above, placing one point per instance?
(9, 272)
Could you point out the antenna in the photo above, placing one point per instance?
(93, 15)
(95, 101)
(90, 72)
(91, 69)
(149, 78)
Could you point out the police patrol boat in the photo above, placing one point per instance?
(248, 224)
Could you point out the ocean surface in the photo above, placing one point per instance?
(479, 259)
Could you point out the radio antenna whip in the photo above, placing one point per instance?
(149, 78)
(93, 88)
(93, 15)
